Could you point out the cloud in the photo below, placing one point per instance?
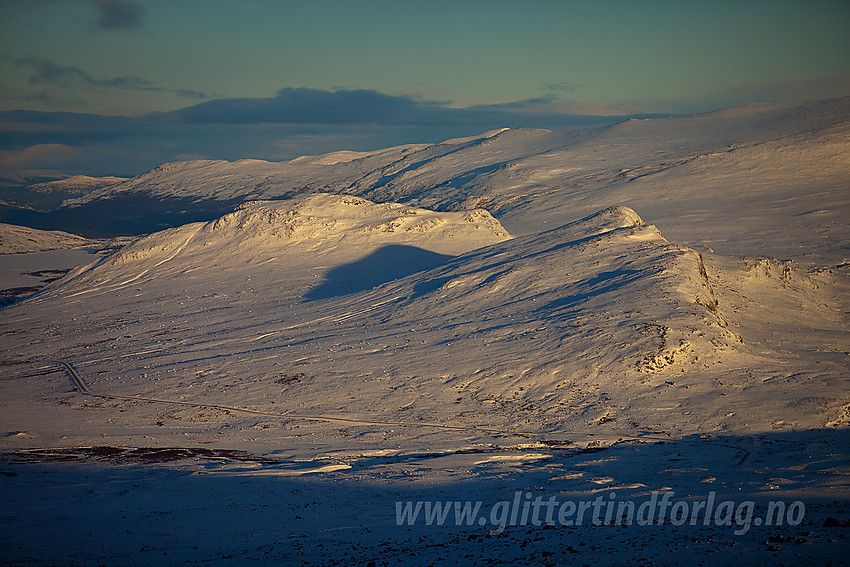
(119, 15)
(41, 156)
(40, 97)
(309, 106)
(563, 86)
(35, 161)
(363, 106)
(536, 102)
(44, 72)
(293, 122)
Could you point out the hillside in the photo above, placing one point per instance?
(22, 240)
(402, 312)
(656, 309)
(688, 175)
(76, 184)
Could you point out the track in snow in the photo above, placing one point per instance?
(82, 387)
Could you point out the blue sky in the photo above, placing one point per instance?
(151, 81)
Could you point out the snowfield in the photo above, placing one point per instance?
(655, 307)
(22, 240)
(764, 179)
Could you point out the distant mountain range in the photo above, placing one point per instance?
(685, 174)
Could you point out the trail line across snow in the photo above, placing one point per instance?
(82, 387)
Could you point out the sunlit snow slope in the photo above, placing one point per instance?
(769, 179)
(657, 306)
(335, 306)
(21, 240)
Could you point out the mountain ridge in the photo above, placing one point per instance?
(534, 179)
(620, 321)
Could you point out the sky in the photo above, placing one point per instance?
(118, 86)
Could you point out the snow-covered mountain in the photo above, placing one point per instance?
(401, 312)
(49, 195)
(21, 240)
(76, 184)
(603, 310)
(687, 175)
(295, 241)
(654, 307)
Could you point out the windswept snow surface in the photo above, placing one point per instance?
(402, 312)
(313, 360)
(767, 179)
(79, 184)
(23, 240)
